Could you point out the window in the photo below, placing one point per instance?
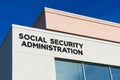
(68, 70)
(94, 72)
(116, 73)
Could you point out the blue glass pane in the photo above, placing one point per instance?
(68, 70)
(116, 73)
(94, 72)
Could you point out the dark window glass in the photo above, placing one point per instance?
(116, 73)
(68, 70)
(94, 72)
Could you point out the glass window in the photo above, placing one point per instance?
(116, 73)
(68, 70)
(94, 72)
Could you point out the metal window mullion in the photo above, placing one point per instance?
(83, 68)
(111, 76)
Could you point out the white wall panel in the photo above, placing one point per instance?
(32, 67)
(96, 51)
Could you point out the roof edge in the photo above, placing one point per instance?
(76, 16)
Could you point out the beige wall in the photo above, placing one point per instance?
(80, 25)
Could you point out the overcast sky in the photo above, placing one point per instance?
(25, 12)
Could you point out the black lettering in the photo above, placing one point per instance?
(20, 35)
(44, 40)
(59, 49)
(64, 50)
(81, 46)
(71, 44)
(29, 44)
(76, 45)
(50, 47)
(43, 46)
(56, 41)
(61, 42)
(51, 41)
(74, 51)
(54, 48)
(35, 45)
(69, 49)
(80, 52)
(24, 44)
(32, 37)
(26, 36)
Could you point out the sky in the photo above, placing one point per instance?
(25, 12)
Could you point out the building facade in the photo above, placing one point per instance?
(65, 46)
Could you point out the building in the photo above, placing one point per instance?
(67, 47)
